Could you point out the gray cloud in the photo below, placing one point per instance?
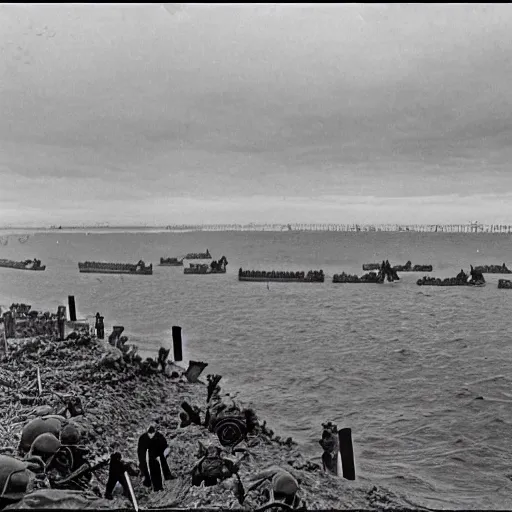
(180, 100)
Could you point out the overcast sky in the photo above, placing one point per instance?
(182, 113)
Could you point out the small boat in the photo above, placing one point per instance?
(448, 282)
(474, 278)
(34, 264)
(171, 262)
(385, 273)
(203, 268)
(199, 255)
(95, 267)
(370, 278)
(261, 276)
(494, 269)
(371, 266)
(408, 267)
(505, 284)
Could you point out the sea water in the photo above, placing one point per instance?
(422, 375)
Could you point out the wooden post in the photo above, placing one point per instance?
(4, 342)
(347, 453)
(39, 385)
(176, 344)
(12, 325)
(9, 325)
(132, 494)
(72, 308)
(6, 323)
(61, 321)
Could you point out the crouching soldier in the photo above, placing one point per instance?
(116, 474)
(284, 486)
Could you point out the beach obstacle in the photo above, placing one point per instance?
(9, 324)
(72, 308)
(176, 344)
(61, 322)
(113, 339)
(3, 343)
(191, 412)
(194, 370)
(347, 453)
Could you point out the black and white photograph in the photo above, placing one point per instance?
(338, 174)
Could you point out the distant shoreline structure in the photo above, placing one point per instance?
(471, 227)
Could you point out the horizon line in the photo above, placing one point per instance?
(309, 226)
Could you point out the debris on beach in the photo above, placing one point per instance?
(68, 405)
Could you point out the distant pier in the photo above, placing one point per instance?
(472, 227)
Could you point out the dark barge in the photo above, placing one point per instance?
(474, 278)
(494, 269)
(262, 276)
(171, 262)
(408, 267)
(215, 267)
(95, 267)
(34, 264)
(199, 255)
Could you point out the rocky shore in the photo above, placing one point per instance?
(116, 397)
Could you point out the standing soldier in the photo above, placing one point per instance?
(154, 444)
(100, 327)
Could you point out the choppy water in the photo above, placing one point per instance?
(404, 366)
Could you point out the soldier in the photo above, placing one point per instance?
(100, 327)
(154, 444)
(116, 473)
(163, 354)
(284, 486)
